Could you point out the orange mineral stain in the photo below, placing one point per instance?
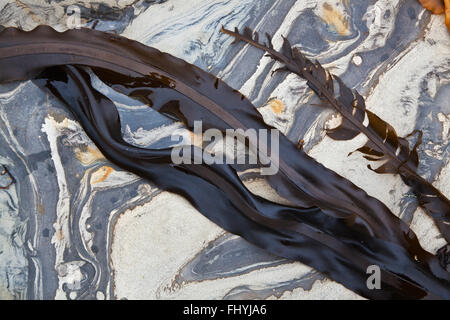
(101, 174)
(41, 208)
(88, 155)
(334, 18)
(447, 14)
(435, 6)
(59, 234)
(276, 105)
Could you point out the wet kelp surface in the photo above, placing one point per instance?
(383, 144)
(84, 189)
(332, 225)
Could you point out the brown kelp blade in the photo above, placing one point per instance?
(338, 230)
(383, 142)
(286, 231)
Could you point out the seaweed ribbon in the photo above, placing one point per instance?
(332, 225)
(383, 143)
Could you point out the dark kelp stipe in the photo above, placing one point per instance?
(333, 225)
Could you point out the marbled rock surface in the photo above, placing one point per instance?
(73, 225)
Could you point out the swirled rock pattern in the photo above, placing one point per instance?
(75, 226)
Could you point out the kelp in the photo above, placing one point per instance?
(383, 144)
(332, 225)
